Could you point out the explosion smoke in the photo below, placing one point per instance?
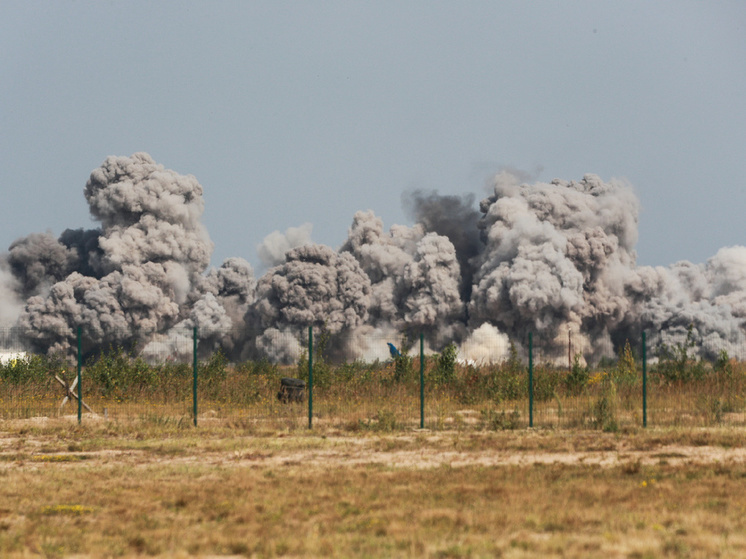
(539, 257)
(143, 262)
(272, 249)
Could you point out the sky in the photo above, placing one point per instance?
(305, 112)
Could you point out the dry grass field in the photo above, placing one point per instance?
(163, 488)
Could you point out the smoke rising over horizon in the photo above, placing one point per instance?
(530, 257)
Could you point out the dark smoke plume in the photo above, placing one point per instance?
(454, 217)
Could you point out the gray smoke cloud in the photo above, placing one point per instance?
(429, 290)
(383, 257)
(40, 260)
(11, 305)
(272, 249)
(555, 256)
(315, 286)
(453, 217)
(709, 297)
(541, 257)
(219, 304)
(415, 279)
(560, 256)
(149, 253)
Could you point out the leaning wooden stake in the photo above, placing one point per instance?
(69, 394)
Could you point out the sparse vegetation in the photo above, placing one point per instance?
(372, 492)
(118, 384)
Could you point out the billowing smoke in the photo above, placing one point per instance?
(556, 256)
(218, 305)
(453, 217)
(560, 256)
(126, 281)
(11, 305)
(272, 249)
(531, 257)
(315, 286)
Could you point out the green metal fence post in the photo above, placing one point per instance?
(194, 377)
(422, 380)
(530, 380)
(310, 377)
(80, 369)
(644, 384)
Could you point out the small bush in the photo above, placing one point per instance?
(626, 369)
(403, 367)
(723, 364)
(31, 369)
(214, 369)
(578, 377)
(445, 367)
(261, 368)
(118, 374)
(675, 364)
(605, 408)
(546, 382)
(506, 381)
(322, 371)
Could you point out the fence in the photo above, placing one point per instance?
(377, 382)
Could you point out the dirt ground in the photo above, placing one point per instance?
(415, 450)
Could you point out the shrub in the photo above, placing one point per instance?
(445, 367)
(675, 364)
(384, 421)
(605, 408)
(403, 367)
(546, 382)
(214, 369)
(577, 379)
(723, 364)
(264, 367)
(31, 368)
(506, 381)
(117, 373)
(626, 369)
(322, 371)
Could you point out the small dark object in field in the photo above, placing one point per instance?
(291, 390)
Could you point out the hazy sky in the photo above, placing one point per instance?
(294, 112)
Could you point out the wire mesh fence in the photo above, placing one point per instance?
(380, 381)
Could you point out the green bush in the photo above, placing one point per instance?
(577, 379)
(604, 413)
(625, 373)
(214, 369)
(322, 371)
(31, 369)
(546, 382)
(445, 366)
(384, 421)
(403, 367)
(507, 381)
(675, 363)
(117, 373)
(261, 368)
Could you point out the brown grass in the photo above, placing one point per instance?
(130, 489)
